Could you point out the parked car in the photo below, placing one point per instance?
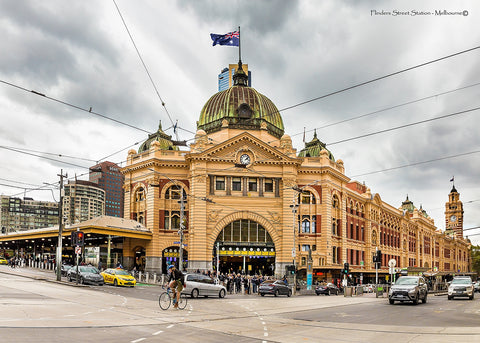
(3, 261)
(118, 277)
(327, 289)
(476, 286)
(202, 285)
(275, 287)
(461, 287)
(408, 288)
(86, 275)
(64, 269)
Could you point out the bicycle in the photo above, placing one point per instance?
(168, 297)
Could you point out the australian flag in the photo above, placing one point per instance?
(231, 38)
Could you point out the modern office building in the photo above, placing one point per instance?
(253, 204)
(83, 200)
(108, 177)
(25, 214)
(225, 78)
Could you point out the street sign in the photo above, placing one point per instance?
(78, 250)
(392, 263)
(293, 252)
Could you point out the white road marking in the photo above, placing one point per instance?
(138, 340)
(170, 326)
(156, 333)
(265, 334)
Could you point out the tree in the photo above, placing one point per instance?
(476, 259)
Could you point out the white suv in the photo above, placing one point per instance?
(461, 286)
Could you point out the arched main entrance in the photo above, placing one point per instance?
(244, 246)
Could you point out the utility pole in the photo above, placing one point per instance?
(60, 228)
(180, 232)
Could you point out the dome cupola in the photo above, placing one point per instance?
(242, 107)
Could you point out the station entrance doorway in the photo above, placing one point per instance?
(245, 247)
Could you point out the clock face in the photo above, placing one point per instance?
(453, 218)
(245, 159)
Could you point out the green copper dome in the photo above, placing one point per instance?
(242, 107)
(161, 137)
(313, 148)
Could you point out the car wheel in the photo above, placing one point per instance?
(276, 293)
(471, 298)
(115, 283)
(262, 294)
(289, 294)
(317, 293)
(328, 292)
(221, 294)
(391, 301)
(449, 297)
(194, 293)
(415, 301)
(336, 292)
(424, 300)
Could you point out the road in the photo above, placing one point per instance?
(42, 310)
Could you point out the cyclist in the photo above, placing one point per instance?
(175, 282)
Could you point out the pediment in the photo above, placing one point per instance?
(231, 149)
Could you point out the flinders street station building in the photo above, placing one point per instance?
(244, 199)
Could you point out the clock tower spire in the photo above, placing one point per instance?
(454, 214)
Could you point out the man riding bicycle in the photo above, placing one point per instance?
(175, 282)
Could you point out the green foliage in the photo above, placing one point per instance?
(476, 258)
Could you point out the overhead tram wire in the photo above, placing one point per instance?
(404, 126)
(374, 80)
(47, 153)
(74, 106)
(145, 66)
(417, 163)
(387, 109)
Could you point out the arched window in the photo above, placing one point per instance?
(173, 192)
(306, 197)
(140, 194)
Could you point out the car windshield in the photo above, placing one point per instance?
(464, 281)
(121, 272)
(406, 281)
(88, 269)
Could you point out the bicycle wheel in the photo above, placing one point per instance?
(164, 301)
(183, 302)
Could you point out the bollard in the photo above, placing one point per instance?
(147, 277)
(154, 278)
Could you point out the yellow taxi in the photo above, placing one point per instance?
(3, 261)
(118, 277)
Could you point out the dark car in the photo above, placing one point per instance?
(86, 275)
(274, 287)
(408, 288)
(327, 289)
(64, 269)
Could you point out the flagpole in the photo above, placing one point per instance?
(239, 46)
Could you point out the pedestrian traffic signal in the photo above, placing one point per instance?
(346, 268)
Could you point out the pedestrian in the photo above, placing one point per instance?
(100, 265)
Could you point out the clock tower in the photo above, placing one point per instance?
(454, 214)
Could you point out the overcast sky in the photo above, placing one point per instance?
(80, 53)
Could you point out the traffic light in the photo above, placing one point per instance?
(377, 259)
(346, 268)
(290, 269)
(78, 238)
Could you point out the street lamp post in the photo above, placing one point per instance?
(294, 207)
